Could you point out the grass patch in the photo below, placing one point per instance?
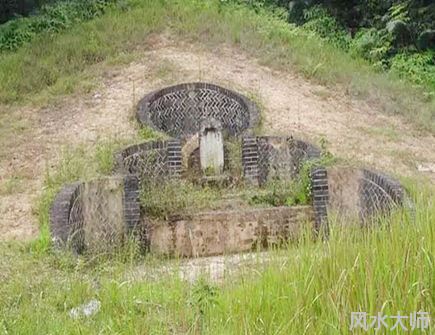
(57, 61)
(173, 198)
(12, 185)
(182, 197)
(147, 133)
(176, 198)
(307, 288)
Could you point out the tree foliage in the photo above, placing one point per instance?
(51, 18)
(10, 9)
(396, 35)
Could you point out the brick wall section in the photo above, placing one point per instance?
(60, 225)
(309, 150)
(178, 110)
(151, 160)
(265, 151)
(175, 158)
(320, 196)
(250, 159)
(379, 193)
(267, 157)
(223, 232)
(131, 202)
(362, 194)
(66, 217)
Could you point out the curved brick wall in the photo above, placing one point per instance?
(379, 193)
(354, 194)
(266, 157)
(84, 214)
(151, 160)
(178, 110)
(62, 223)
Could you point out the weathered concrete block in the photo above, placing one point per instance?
(222, 232)
(211, 147)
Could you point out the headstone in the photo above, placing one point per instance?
(211, 147)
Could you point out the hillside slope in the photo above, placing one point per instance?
(353, 129)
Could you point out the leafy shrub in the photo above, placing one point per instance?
(326, 26)
(51, 19)
(426, 40)
(399, 30)
(10, 9)
(290, 192)
(276, 193)
(371, 44)
(417, 67)
(399, 12)
(296, 11)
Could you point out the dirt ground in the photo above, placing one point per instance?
(353, 129)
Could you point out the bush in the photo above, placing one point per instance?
(296, 12)
(371, 44)
(175, 197)
(418, 68)
(326, 26)
(10, 9)
(426, 40)
(51, 19)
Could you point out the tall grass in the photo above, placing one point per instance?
(60, 63)
(308, 288)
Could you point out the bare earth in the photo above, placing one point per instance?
(292, 105)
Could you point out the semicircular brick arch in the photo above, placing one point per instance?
(178, 110)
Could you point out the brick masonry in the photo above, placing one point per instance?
(60, 224)
(250, 159)
(179, 110)
(268, 157)
(320, 198)
(151, 160)
(131, 202)
(72, 209)
(354, 194)
(379, 193)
